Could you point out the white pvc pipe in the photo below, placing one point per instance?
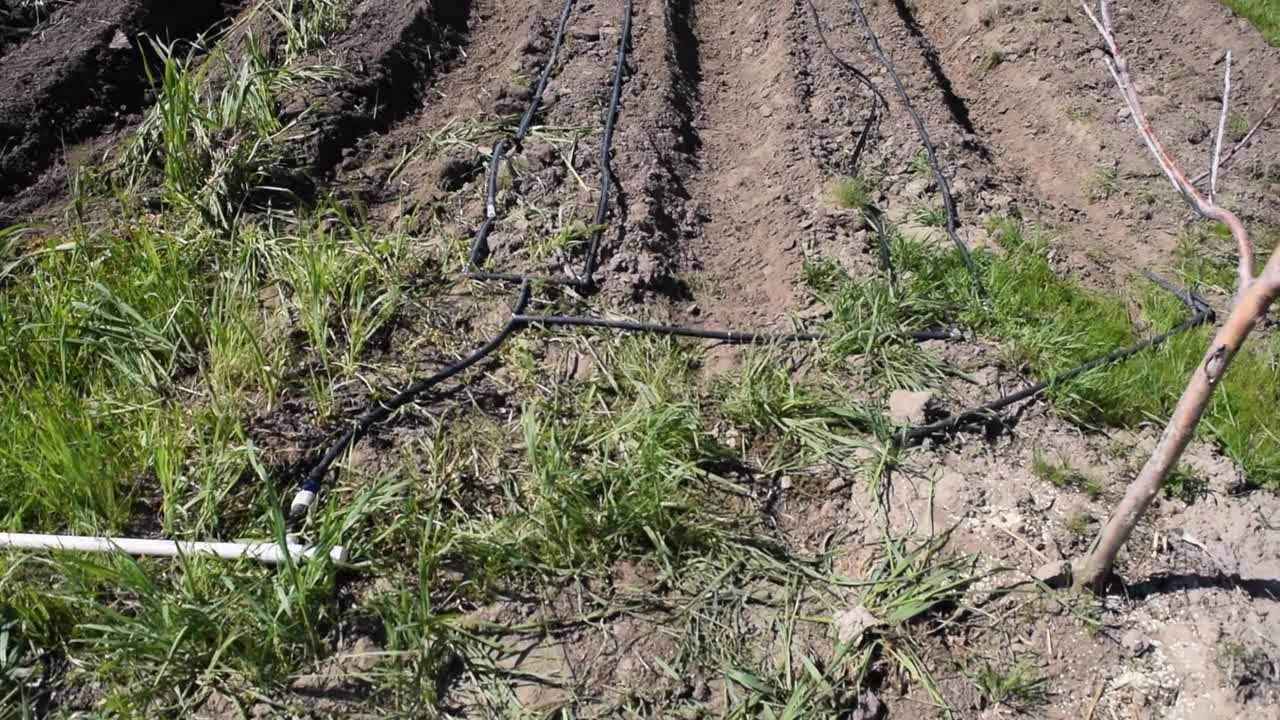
(269, 553)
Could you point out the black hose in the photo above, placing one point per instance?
(541, 87)
(479, 246)
(732, 336)
(877, 98)
(948, 202)
(606, 144)
(383, 410)
(1202, 313)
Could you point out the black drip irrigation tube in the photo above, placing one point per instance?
(520, 320)
(731, 336)
(1201, 313)
(480, 246)
(877, 98)
(944, 188)
(875, 218)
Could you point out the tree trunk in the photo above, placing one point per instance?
(1177, 434)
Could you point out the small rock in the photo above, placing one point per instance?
(1218, 57)
(786, 483)
(853, 623)
(581, 367)
(1056, 575)
(1001, 202)
(907, 407)
(917, 187)
(1135, 642)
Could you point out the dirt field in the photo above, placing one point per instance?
(587, 523)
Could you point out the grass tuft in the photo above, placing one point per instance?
(1062, 475)
(1102, 185)
(1078, 525)
(871, 328)
(1018, 687)
(930, 216)
(1186, 485)
(989, 62)
(851, 192)
(806, 423)
(615, 468)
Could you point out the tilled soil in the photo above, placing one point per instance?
(71, 87)
(734, 119)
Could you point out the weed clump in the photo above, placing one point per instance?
(1102, 185)
(615, 468)
(1018, 687)
(851, 192)
(871, 329)
(808, 423)
(1062, 475)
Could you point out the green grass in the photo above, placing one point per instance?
(616, 467)
(1018, 687)
(919, 164)
(1047, 324)
(930, 216)
(1102, 185)
(805, 423)
(989, 62)
(309, 24)
(851, 192)
(1079, 525)
(570, 237)
(871, 328)
(1264, 14)
(131, 353)
(217, 152)
(1237, 127)
(1062, 475)
(1186, 485)
(1205, 254)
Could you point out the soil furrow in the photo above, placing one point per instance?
(1075, 159)
(22, 22)
(96, 45)
(397, 52)
(750, 173)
